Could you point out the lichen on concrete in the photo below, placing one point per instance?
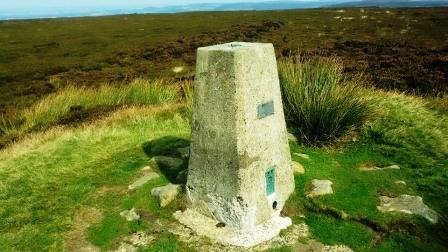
(227, 235)
(238, 135)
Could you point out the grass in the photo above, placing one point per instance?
(72, 99)
(55, 170)
(415, 136)
(409, 130)
(48, 176)
(335, 231)
(320, 105)
(407, 133)
(52, 171)
(92, 50)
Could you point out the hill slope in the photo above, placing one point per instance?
(65, 188)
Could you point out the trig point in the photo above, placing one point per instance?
(240, 171)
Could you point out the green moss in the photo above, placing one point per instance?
(333, 231)
(109, 229)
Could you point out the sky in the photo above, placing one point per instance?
(61, 5)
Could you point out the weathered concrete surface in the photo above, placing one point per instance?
(235, 138)
(320, 187)
(208, 227)
(296, 237)
(166, 193)
(407, 204)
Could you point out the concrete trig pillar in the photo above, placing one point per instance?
(240, 165)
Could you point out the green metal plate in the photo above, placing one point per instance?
(270, 181)
(265, 109)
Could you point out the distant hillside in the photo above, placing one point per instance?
(268, 5)
(391, 4)
(284, 5)
(265, 5)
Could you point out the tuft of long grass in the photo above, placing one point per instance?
(53, 107)
(320, 105)
(409, 129)
(187, 90)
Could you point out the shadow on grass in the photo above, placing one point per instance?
(169, 154)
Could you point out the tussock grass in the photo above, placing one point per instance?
(55, 106)
(409, 129)
(188, 93)
(320, 105)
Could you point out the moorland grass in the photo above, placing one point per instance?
(55, 106)
(114, 48)
(407, 132)
(320, 105)
(49, 175)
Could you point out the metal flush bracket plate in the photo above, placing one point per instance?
(270, 181)
(265, 109)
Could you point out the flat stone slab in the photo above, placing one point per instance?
(132, 242)
(130, 215)
(166, 193)
(336, 248)
(210, 228)
(146, 168)
(400, 182)
(167, 163)
(302, 155)
(320, 187)
(181, 178)
(407, 204)
(372, 167)
(297, 167)
(184, 152)
(143, 180)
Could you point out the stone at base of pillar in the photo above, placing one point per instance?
(206, 226)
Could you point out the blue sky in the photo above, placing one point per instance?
(65, 5)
